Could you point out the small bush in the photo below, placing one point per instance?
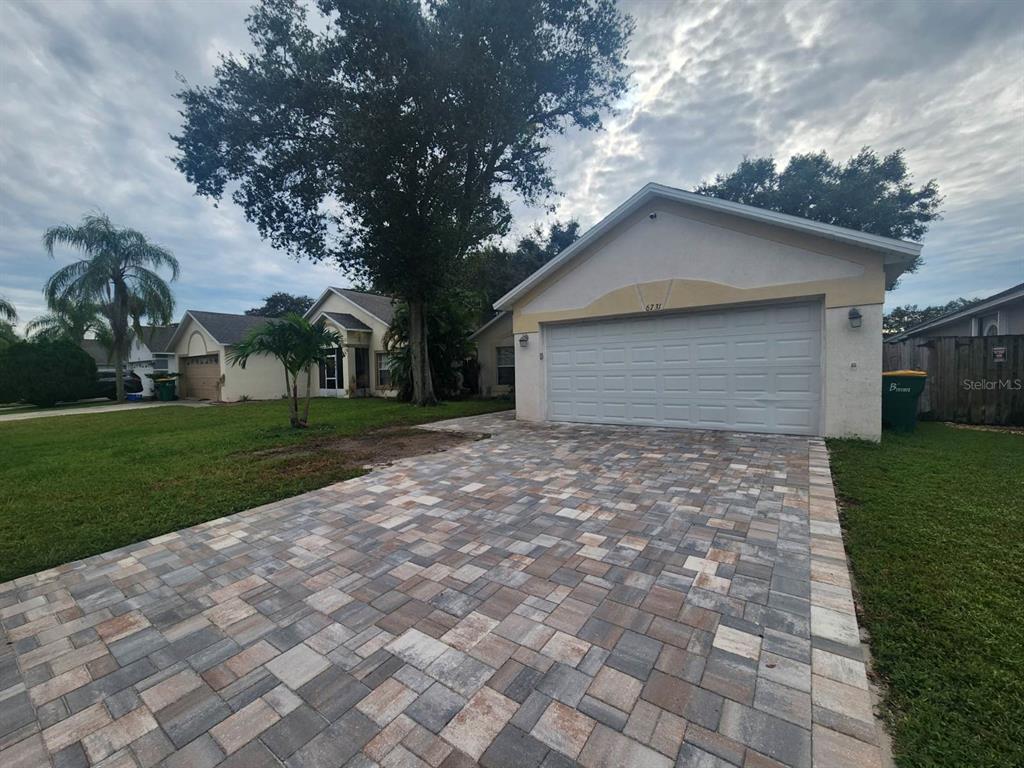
(45, 372)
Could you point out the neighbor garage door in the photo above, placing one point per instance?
(752, 369)
(200, 377)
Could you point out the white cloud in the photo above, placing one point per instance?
(86, 109)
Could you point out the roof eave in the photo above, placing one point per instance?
(900, 253)
(981, 306)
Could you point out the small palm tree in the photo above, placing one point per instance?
(7, 311)
(67, 319)
(119, 275)
(298, 344)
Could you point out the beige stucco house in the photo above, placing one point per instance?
(359, 367)
(683, 310)
(495, 352)
(201, 344)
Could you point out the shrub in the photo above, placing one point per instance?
(46, 372)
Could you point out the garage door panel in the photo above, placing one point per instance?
(754, 369)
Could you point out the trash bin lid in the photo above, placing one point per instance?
(904, 373)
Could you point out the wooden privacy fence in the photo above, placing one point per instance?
(971, 379)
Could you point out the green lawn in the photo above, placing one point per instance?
(934, 527)
(73, 486)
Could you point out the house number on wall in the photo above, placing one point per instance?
(652, 307)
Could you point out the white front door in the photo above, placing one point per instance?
(753, 369)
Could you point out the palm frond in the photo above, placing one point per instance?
(7, 311)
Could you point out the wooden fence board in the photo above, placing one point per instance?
(965, 381)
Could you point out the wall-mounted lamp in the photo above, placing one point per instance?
(524, 340)
(855, 318)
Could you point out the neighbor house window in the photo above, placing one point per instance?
(384, 378)
(506, 363)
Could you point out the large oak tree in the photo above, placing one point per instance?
(387, 135)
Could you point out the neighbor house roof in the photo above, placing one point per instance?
(158, 337)
(992, 302)
(348, 322)
(487, 325)
(225, 329)
(898, 253)
(99, 353)
(378, 305)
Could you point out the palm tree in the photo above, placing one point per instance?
(67, 319)
(298, 344)
(119, 275)
(7, 311)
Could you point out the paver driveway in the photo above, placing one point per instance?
(555, 594)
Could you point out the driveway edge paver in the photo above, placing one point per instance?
(845, 730)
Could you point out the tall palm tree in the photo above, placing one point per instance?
(67, 319)
(298, 344)
(7, 311)
(119, 275)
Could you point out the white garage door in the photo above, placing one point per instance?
(755, 369)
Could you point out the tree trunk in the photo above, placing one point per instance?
(309, 387)
(118, 372)
(293, 405)
(422, 383)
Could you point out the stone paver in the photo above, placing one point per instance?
(553, 595)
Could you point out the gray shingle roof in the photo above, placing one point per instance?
(157, 337)
(348, 322)
(96, 351)
(227, 329)
(374, 303)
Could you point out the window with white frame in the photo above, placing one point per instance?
(505, 358)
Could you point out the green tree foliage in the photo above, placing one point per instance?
(299, 345)
(868, 193)
(7, 310)
(450, 321)
(387, 135)
(68, 318)
(280, 304)
(119, 274)
(900, 319)
(494, 271)
(44, 372)
(8, 335)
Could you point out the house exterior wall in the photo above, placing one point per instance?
(374, 341)
(689, 258)
(146, 363)
(261, 379)
(499, 334)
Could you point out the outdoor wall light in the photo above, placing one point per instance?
(524, 340)
(855, 318)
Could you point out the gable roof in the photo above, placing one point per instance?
(347, 321)
(993, 301)
(226, 329)
(898, 253)
(378, 305)
(157, 337)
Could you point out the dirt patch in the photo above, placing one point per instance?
(986, 428)
(376, 448)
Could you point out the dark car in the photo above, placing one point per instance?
(106, 384)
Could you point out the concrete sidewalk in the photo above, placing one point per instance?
(95, 409)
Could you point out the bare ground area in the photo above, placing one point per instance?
(376, 448)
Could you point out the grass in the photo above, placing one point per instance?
(74, 486)
(934, 528)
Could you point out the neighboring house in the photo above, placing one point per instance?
(147, 354)
(999, 315)
(682, 310)
(201, 343)
(496, 354)
(359, 366)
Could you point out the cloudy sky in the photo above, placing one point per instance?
(86, 108)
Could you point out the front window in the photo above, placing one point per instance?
(506, 364)
(384, 377)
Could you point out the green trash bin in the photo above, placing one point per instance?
(900, 390)
(165, 390)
